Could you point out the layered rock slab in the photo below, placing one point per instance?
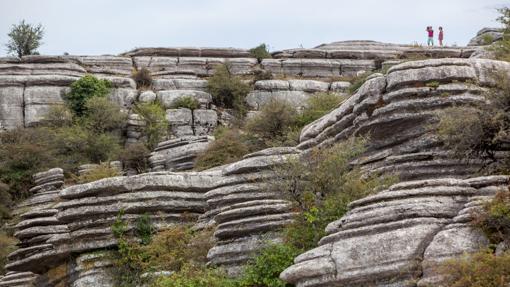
(391, 238)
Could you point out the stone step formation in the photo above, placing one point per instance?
(64, 230)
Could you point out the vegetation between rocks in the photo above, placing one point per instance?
(228, 91)
(482, 132)
(277, 124)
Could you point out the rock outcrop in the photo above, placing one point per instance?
(178, 154)
(400, 111)
(247, 212)
(392, 238)
(388, 239)
(486, 36)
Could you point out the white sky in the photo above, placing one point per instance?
(89, 27)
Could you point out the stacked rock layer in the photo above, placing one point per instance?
(399, 112)
(394, 238)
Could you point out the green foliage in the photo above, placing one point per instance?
(197, 276)
(142, 78)
(494, 218)
(487, 39)
(24, 39)
(24, 152)
(318, 105)
(101, 116)
(156, 125)
(174, 249)
(432, 84)
(85, 88)
(135, 156)
(227, 90)
(5, 203)
(260, 52)
(322, 185)
(272, 124)
(501, 49)
(357, 82)
(228, 147)
(59, 116)
(260, 75)
(186, 102)
(100, 172)
(144, 229)
(480, 269)
(480, 132)
(266, 267)
(7, 245)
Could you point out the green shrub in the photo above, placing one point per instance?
(260, 52)
(501, 48)
(494, 218)
(197, 276)
(357, 82)
(272, 124)
(480, 132)
(173, 249)
(265, 268)
(102, 116)
(59, 116)
(480, 269)
(227, 148)
(7, 245)
(5, 203)
(24, 152)
(99, 172)
(156, 125)
(227, 90)
(186, 102)
(318, 105)
(261, 75)
(85, 88)
(144, 229)
(322, 185)
(142, 78)
(135, 156)
(487, 39)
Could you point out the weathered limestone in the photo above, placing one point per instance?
(399, 111)
(391, 238)
(178, 154)
(247, 213)
(486, 36)
(295, 92)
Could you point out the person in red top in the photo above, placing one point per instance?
(441, 36)
(430, 41)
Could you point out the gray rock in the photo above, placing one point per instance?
(204, 121)
(147, 97)
(168, 98)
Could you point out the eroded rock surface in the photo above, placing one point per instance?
(394, 237)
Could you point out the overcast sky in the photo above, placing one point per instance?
(114, 26)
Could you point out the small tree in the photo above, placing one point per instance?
(85, 88)
(25, 39)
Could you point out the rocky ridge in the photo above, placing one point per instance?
(66, 228)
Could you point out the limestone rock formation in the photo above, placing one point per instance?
(247, 213)
(178, 154)
(391, 238)
(388, 239)
(486, 36)
(295, 92)
(400, 110)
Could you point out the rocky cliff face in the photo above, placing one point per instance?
(388, 239)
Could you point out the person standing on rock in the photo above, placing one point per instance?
(441, 36)
(430, 41)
